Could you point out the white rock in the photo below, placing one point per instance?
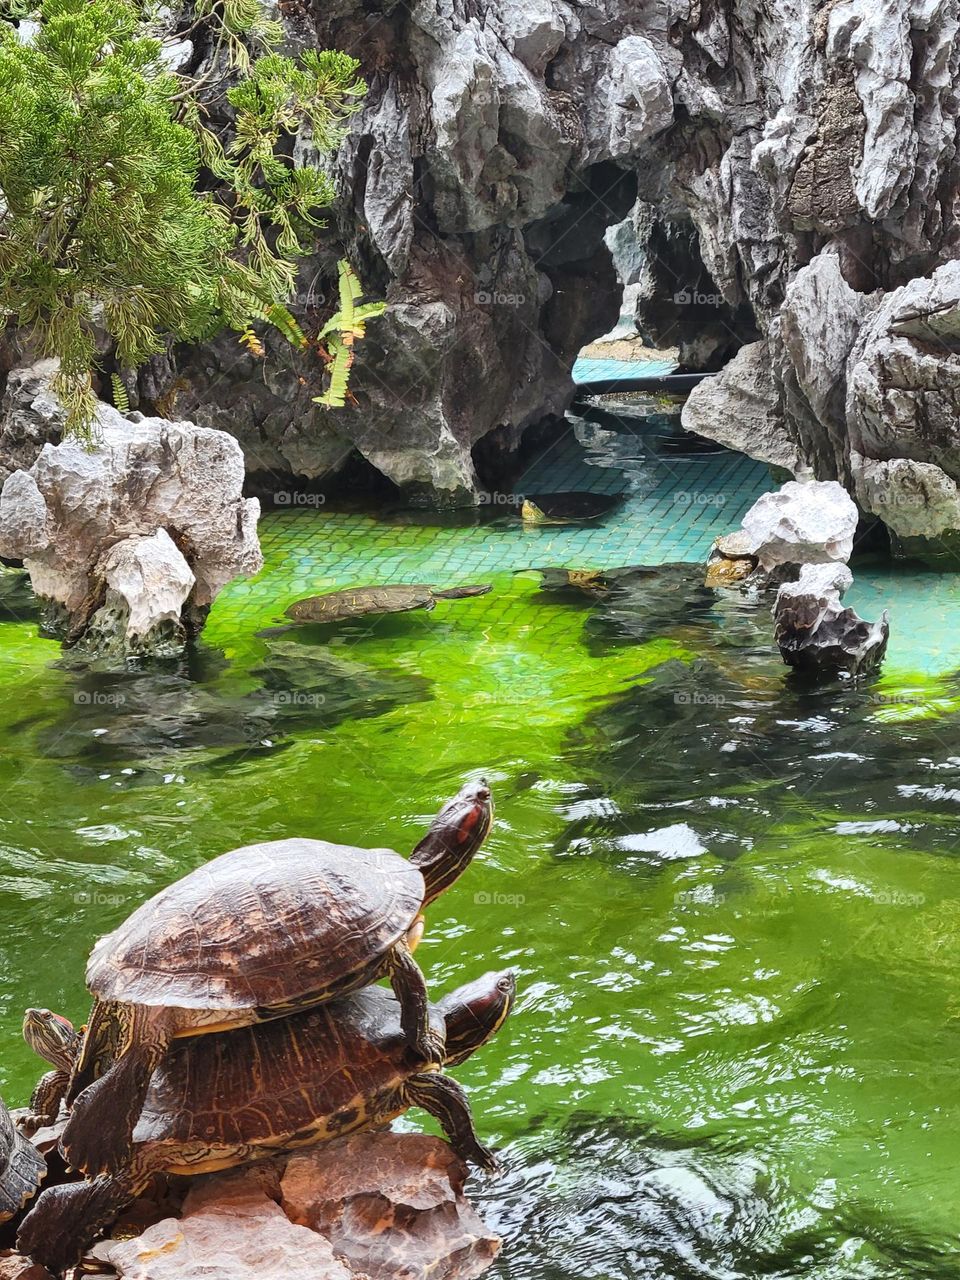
(827, 580)
(139, 478)
(150, 579)
(914, 499)
(819, 323)
(639, 97)
(24, 518)
(799, 524)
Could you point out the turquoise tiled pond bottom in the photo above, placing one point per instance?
(673, 508)
(674, 505)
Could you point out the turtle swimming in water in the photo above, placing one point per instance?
(258, 933)
(22, 1167)
(574, 507)
(336, 606)
(224, 1100)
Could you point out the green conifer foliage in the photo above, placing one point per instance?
(104, 224)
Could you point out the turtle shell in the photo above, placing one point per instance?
(336, 606)
(22, 1167)
(293, 1080)
(261, 926)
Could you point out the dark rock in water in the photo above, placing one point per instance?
(609, 1198)
(133, 715)
(356, 602)
(816, 634)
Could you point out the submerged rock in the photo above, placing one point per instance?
(816, 634)
(129, 542)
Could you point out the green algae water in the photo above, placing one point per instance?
(732, 901)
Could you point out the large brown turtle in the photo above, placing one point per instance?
(257, 933)
(354, 602)
(224, 1100)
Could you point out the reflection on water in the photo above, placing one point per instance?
(732, 900)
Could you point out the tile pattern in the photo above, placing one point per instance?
(589, 369)
(674, 504)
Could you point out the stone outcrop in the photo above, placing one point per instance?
(30, 415)
(128, 543)
(392, 1206)
(374, 1206)
(787, 171)
(801, 524)
(816, 634)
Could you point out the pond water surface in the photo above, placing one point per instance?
(733, 903)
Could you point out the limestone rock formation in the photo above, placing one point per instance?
(790, 172)
(127, 544)
(240, 1235)
(30, 415)
(816, 634)
(801, 524)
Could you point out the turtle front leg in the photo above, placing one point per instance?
(443, 1098)
(67, 1219)
(410, 988)
(99, 1134)
(45, 1101)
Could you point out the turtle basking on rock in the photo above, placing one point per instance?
(22, 1167)
(222, 1100)
(355, 602)
(258, 933)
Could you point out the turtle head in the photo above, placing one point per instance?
(455, 835)
(476, 1012)
(51, 1037)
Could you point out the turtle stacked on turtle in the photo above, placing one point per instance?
(234, 1017)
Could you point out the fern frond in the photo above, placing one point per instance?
(121, 399)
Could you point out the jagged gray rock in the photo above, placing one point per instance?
(791, 169)
(30, 415)
(816, 634)
(128, 543)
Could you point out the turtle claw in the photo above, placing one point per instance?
(431, 1047)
